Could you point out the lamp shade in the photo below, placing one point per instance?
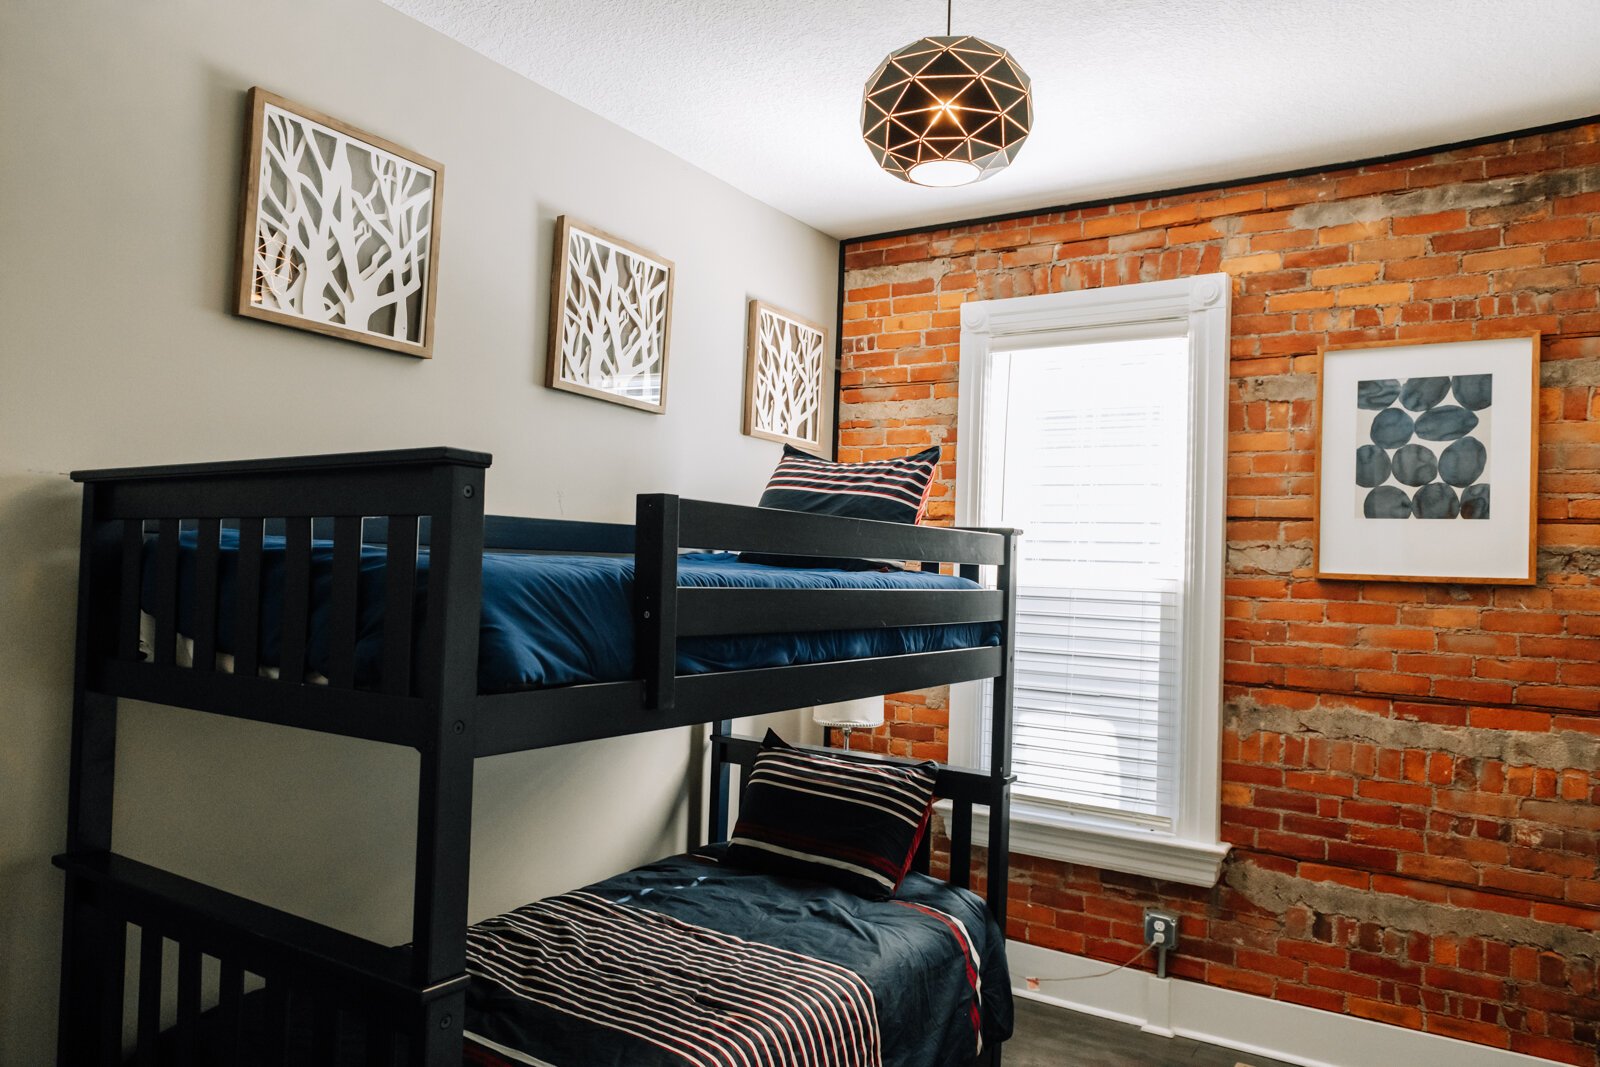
(863, 713)
(947, 111)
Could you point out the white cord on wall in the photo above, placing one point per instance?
(1157, 942)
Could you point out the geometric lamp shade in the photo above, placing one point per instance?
(947, 111)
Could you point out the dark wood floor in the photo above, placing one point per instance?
(1048, 1036)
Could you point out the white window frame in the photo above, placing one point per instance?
(1192, 852)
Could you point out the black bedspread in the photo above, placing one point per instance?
(690, 961)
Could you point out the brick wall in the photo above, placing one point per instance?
(1409, 771)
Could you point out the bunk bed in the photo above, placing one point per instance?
(209, 557)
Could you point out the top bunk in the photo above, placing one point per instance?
(368, 595)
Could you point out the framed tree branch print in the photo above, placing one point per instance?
(784, 362)
(1427, 460)
(338, 229)
(610, 318)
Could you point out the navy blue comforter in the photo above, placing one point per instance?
(691, 961)
(561, 620)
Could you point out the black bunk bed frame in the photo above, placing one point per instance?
(409, 1001)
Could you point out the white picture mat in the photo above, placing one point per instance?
(1497, 547)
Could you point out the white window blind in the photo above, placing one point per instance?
(1085, 447)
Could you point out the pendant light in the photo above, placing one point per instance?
(946, 111)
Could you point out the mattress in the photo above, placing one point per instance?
(690, 961)
(552, 620)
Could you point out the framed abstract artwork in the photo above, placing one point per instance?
(338, 229)
(1427, 460)
(610, 318)
(784, 374)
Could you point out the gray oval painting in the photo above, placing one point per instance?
(1377, 394)
(1387, 502)
(1462, 463)
(1415, 465)
(1420, 394)
(1473, 391)
(1372, 466)
(1445, 423)
(1436, 501)
(1475, 502)
(1392, 428)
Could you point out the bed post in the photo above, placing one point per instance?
(90, 1016)
(721, 785)
(1000, 777)
(447, 672)
(655, 597)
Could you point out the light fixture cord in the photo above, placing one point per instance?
(948, 5)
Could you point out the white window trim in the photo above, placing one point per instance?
(1193, 851)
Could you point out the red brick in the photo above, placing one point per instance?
(1459, 662)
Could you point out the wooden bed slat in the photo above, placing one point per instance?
(352, 712)
(150, 942)
(961, 844)
(380, 1043)
(275, 1001)
(132, 577)
(923, 860)
(655, 598)
(207, 563)
(734, 527)
(188, 1028)
(324, 1033)
(399, 602)
(344, 609)
(296, 600)
(247, 598)
(113, 961)
(166, 612)
(230, 996)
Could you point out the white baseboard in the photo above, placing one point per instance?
(1248, 1024)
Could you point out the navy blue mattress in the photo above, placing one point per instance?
(562, 620)
(691, 962)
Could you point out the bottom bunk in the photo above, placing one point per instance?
(695, 961)
(686, 962)
(812, 937)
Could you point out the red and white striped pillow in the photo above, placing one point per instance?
(890, 490)
(847, 823)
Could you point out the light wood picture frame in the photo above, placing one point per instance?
(338, 229)
(785, 378)
(610, 318)
(1427, 460)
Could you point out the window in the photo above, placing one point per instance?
(1095, 422)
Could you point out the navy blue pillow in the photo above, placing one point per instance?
(844, 822)
(888, 490)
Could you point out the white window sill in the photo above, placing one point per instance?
(1049, 835)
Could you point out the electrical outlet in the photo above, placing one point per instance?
(1160, 929)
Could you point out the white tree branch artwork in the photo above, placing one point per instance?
(784, 378)
(343, 231)
(613, 318)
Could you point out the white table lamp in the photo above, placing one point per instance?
(864, 713)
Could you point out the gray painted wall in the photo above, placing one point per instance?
(121, 128)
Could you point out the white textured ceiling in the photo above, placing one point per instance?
(1130, 95)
